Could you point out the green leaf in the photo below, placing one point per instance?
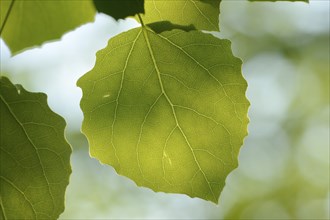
(120, 8)
(203, 14)
(167, 110)
(31, 23)
(35, 157)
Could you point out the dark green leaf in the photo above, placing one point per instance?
(120, 8)
(35, 157)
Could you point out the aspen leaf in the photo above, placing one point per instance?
(202, 14)
(167, 110)
(35, 157)
(31, 23)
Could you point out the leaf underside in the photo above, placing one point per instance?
(31, 23)
(167, 110)
(35, 157)
(202, 14)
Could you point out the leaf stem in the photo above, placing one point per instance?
(7, 15)
(141, 21)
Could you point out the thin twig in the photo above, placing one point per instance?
(141, 21)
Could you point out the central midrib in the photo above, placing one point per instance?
(145, 34)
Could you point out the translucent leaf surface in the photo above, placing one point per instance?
(35, 157)
(120, 8)
(203, 14)
(168, 111)
(31, 23)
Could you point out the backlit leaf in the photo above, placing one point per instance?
(167, 110)
(120, 8)
(35, 157)
(203, 14)
(31, 23)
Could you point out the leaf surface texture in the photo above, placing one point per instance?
(202, 14)
(35, 157)
(167, 110)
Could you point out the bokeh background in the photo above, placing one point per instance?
(283, 168)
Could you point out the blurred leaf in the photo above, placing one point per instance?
(167, 110)
(279, 1)
(203, 14)
(35, 157)
(31, 23)
(120, 8)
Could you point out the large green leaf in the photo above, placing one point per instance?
(168, 111)
(35, 157)
(31, 23)
(120, 8)
(203, 14)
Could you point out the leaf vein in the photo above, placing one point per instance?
(36, 150)
(21, 192)
(172, 107)
(118, 95)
